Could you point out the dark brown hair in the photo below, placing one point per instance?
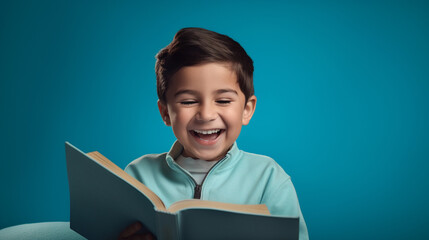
(194, 46)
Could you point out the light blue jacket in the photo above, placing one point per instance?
(240, 177)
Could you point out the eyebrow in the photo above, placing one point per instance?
(226, 90)
(186, 91)
(192, 92)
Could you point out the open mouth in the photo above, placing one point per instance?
(207, 135)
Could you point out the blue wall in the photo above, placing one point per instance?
(343, 92)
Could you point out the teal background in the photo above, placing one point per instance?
(342, 87)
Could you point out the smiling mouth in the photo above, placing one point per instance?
(207, 135)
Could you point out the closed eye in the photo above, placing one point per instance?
(223, 102)
(188, 102)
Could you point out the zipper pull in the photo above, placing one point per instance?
(197, 192)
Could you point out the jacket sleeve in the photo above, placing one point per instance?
(281, 199)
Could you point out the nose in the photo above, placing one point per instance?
(206, 113)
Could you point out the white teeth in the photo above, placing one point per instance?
(207, 132)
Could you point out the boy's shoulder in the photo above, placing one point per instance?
(257, 157)
(262, 163)
(254, 158)
(148, 159)
(157, 158)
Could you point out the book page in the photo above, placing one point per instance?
(196, 203)
(121, 173)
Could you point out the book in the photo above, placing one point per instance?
(104, 200)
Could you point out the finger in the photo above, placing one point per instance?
(130, 230)
(146, 236)
(150, 237)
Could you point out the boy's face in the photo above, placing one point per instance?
(206, 110)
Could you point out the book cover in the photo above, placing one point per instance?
(104, 200)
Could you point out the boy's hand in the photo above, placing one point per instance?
(130, 233)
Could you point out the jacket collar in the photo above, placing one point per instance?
(231, 157)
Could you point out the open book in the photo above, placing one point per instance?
(104, 200)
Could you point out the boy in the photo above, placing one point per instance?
(205, 91)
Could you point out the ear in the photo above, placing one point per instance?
(249, 109)
(164, 113)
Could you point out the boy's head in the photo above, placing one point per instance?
(195, 46)
(205, 91)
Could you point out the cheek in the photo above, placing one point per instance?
(234, 117)
(182, 117)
